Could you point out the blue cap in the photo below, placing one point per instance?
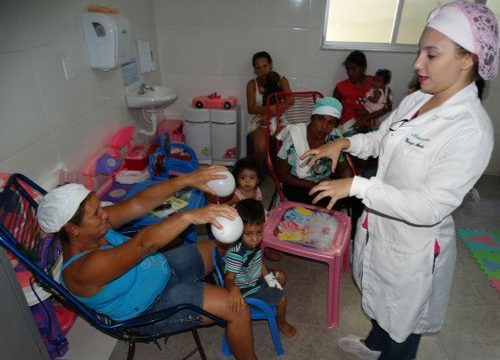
(327, 106)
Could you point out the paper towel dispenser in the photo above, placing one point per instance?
(146, 58)
(109, 40)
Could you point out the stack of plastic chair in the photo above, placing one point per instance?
(21, 235)
(337, 253)
(259, 310)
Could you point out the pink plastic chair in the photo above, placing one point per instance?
(337, 254)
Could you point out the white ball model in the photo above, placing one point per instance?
(231, 230)
(223, 187)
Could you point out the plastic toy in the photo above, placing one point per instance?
(106, 162)
(136, 156)
(231, 230)
(174, 128)
(121, 160)
(158, 165)
(171, 159)
(214, 100)
(223, 187)
(131, 176)
(231, 153)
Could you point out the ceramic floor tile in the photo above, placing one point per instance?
(86, 343)
(465, 350)
(430, 348)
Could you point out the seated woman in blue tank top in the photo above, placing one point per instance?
(125, 277)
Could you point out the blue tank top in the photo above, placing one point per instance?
(133, 292)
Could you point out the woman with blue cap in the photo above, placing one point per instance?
(431, 151)
(298, 179)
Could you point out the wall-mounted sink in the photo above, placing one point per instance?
(150, 97)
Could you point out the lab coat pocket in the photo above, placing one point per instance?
(401, 266)
(412, 154)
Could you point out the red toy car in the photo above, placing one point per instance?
(214, 100)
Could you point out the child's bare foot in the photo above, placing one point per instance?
(287, 329)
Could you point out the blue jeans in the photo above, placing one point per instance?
(270, 295)
(185, 286)
(378, 339)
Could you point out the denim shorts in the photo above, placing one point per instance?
(185, 286)
(270, 295)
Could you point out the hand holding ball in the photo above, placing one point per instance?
(223, 187)
(231, 230)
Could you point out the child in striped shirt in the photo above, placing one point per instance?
(246, 274)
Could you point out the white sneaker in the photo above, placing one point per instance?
(352, 344)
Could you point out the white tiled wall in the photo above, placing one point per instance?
(46, 120)
(207, 46)
(203, 46)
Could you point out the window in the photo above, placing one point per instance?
(385, 25)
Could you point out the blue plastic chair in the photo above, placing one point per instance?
(21, 235)
(259, 310)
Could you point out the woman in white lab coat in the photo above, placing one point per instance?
(431, 150)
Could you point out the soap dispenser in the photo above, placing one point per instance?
(109, 40)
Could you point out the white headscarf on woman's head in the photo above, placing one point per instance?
(472, 26)
(58, 206)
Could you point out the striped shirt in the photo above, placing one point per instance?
(246, 263)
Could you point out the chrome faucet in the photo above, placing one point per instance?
(143, 87)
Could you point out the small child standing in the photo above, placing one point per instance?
(246, 274)
(246, 175)
(376, 97)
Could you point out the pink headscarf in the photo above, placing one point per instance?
(472, 26)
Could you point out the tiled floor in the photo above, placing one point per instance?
(471, 330)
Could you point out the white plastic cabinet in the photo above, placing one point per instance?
(197, 132)
(213, 134)
(224, 127)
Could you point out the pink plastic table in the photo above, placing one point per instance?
(336, 255)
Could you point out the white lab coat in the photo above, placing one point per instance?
(426, 166)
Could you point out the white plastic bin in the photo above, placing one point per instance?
(224, 134)
(197, 132)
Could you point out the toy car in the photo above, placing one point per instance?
(214, 100)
